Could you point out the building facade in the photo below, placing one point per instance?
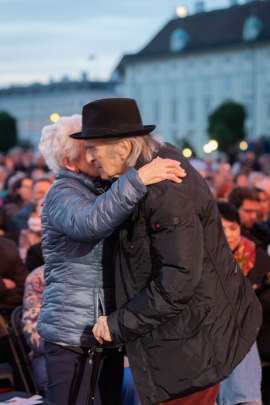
(194, 64)
(32, 106)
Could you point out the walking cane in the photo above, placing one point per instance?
(94, 362)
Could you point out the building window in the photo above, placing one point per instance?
(249, 107)
(227, 83)
(191, 63)
(155, 89)
(178, 40)
(173, 88)
(140, 106)
(191, 85)
(252, 28)
(191, 111)
(173, 111)
(174, 134)
(268, 110)
(248, 82)
(138, 90)
(156, 112)
(268, 78)
(207, 85)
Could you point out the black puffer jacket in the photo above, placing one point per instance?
(186, 312)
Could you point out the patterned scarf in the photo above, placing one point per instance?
(245, 254)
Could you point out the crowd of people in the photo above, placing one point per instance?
(242, 193)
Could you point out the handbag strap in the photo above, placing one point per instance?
(94, 355)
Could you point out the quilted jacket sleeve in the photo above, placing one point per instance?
(177, 241)
(71, 213)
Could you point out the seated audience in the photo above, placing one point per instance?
(19, 198)
(263, 216)
(243, 385)
(12, 277)
(38, 191)
(32, 301)
(247, 202)
(32, 235)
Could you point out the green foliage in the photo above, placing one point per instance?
(226, 125)
(8, 131)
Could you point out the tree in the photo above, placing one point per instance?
(226, 125)
(8, 131)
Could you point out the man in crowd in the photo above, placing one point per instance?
(247, 201)
(12, 277)
(186, 313)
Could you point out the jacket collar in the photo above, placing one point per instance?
(91, 184)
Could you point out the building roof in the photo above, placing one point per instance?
(58, 87)
(207, 30)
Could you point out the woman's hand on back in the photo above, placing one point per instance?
(161, 169)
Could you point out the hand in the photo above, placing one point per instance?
(101, 330)
(9, 283)
(2, 233)
(161, 169)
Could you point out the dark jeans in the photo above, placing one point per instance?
(67, 374)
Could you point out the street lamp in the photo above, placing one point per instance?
(54, 117)
(181, 11)
(187, 152)
(243, 145)
(213, 144)
(207, 148)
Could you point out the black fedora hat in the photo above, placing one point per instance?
(110, 118)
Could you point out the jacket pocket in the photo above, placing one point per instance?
(187, 324)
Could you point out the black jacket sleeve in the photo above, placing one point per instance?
(34, 257)
(16, 272)
(177, 241)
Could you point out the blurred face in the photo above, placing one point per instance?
(25, 190)
(242, 180)
(248, 212)
(108, 159)
(232, 231)
(264, 203)
(40, 189)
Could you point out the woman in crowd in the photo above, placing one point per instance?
(79, 282)
(32, 300)
(244, 384)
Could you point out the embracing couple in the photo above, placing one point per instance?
(136, 258)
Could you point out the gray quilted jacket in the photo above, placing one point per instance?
(79, 279)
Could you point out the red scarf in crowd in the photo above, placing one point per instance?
(245, 254)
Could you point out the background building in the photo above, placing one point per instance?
(32, 106)
(195, 63)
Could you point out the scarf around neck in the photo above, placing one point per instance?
(245, 254)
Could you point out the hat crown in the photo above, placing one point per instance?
(111, 113)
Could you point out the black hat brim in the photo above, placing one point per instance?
(144, 131)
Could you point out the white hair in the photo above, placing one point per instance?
(55, 143)
(143, 148)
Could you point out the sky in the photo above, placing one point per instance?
(43, 40)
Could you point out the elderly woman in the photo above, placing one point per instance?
(79, 284)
